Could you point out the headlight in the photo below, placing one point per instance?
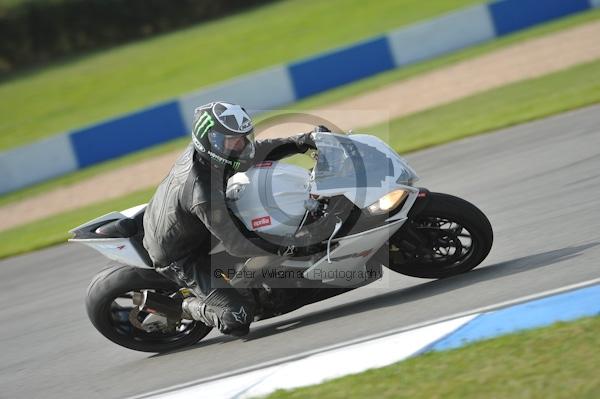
(387, 202)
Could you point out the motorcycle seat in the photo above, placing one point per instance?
(122, 228)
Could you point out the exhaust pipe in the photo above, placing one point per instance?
(158, 304)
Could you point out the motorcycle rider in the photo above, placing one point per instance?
(189, 206)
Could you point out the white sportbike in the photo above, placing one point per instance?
(381, 220)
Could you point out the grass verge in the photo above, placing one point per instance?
(560, 361)
(516, 103)
(86, 89)
(385, 78)
(317, 101)
(498, 108)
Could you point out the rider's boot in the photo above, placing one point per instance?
(224, 309)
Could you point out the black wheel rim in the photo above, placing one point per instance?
(119, 313)
(447, 243)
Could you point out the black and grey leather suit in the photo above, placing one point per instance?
(189, 210)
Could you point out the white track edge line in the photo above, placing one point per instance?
(285, 359)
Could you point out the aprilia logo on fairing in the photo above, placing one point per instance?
(261, 222)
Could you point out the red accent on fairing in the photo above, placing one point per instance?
(261, 222)
(265, 164)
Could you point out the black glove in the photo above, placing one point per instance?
(307, 140)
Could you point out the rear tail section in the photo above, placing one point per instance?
(116, 235)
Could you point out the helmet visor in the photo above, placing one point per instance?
(238, 146)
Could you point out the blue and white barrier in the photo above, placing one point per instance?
(442, 35)
(278, 86)
(265, 89)
(379, 351)
(341, 66)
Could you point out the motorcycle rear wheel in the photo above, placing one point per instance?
(109, 304)
(455, 237)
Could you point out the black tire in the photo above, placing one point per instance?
(110, 318)
(454, 210)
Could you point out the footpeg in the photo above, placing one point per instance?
(154, 303)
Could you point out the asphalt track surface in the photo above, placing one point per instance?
(539, 184)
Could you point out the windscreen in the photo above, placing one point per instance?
(345, 161)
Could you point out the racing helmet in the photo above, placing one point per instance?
(223, 135)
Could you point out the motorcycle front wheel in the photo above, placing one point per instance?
(450, 236)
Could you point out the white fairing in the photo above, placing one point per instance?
(270, 197)
(118, 249)
(346, 265)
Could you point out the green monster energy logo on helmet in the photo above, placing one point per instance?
(203, 125)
